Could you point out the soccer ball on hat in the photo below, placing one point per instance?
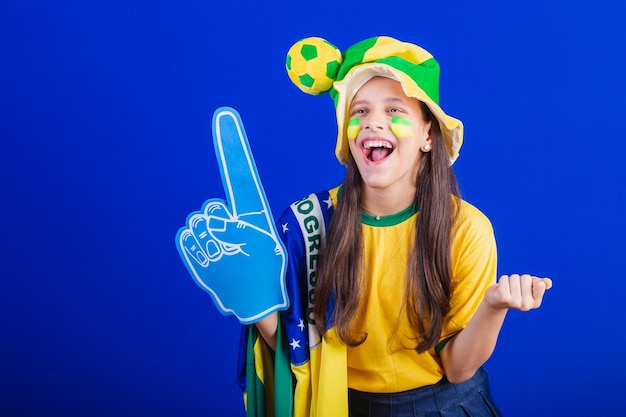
(312, 65)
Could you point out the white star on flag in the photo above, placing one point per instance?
(301, 324)
(294, 344)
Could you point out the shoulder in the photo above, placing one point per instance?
(318, 206)
(474, 249)
(471, 218)
(473, 229)
(322, 200)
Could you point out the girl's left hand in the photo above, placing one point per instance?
(521, 292)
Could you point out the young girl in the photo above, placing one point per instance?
(391, 275)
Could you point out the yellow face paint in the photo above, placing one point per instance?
(354, 127)
(401, 127)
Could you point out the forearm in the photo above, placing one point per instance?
(267, 327)
(471, 347)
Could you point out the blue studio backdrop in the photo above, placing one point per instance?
(105, 148)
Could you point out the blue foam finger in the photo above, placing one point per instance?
(231, 248)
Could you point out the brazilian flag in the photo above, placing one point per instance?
(269, 381)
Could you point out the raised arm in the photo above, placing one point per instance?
(267, 327)
(470, 348)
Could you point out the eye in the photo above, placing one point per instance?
(395, 110)
(356, 112)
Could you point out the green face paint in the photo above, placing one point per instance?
(401, 127)
(354, 127)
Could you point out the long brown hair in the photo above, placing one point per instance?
(429, 272)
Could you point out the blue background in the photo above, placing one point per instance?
(105, 147)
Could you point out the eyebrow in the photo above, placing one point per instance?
(387, 100)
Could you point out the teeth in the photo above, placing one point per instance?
(377, 144)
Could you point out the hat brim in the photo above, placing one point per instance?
(451, 128)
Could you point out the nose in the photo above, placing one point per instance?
(374, 122)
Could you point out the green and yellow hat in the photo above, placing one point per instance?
(316, 66)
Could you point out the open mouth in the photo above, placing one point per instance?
(377, 150)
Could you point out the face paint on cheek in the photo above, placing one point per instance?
(401, 127)
(354, 127)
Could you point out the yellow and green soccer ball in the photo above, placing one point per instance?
(312, 65)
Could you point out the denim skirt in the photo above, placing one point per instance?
(471, 398)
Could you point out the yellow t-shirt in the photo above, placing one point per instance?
(387, 361)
